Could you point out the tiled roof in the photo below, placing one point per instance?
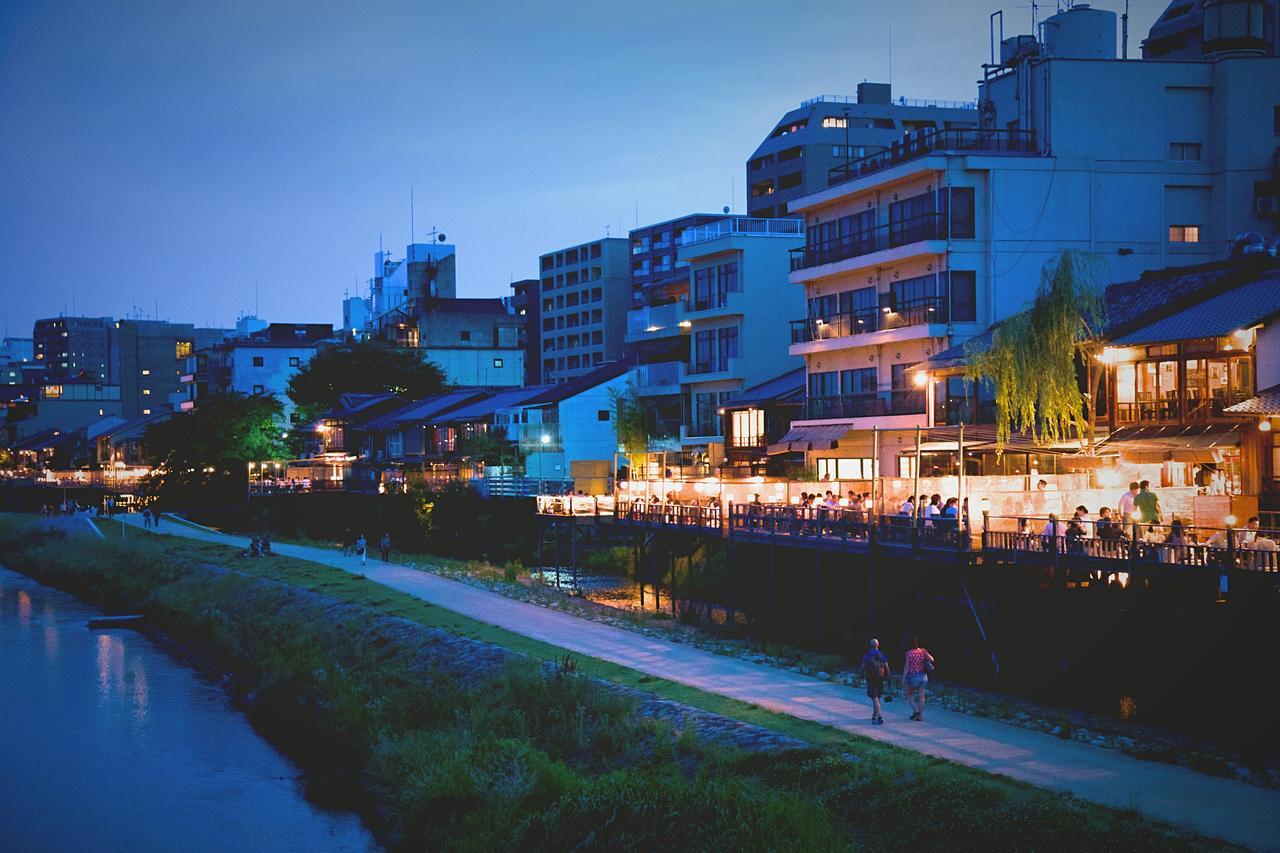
(1214, 317)
(483, 409)
(1266, 403)
(425, 408)
(565, 390)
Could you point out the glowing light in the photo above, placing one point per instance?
(653, 328)
(1109, 355)
(545, 439)
(920, 379)
(1264, 426)
(1230, 521)
(685, 324)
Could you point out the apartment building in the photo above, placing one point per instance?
(1147, 164)
(401, 288)
(827, 131)
(739, 293)
(474, 341)
(16, 356)
(153, 358)
(76, 347)
(263, 363)
(526, 303)
(585, 292)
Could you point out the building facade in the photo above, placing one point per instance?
(262, 364)
(1145, 164)
(153, 359)
(829, 131)
(525, 303)
(474, 341)
(585, 292)
(76, 347)
(15, 355)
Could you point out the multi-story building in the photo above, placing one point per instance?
(1193, 29)
(355, 317)
(585, 292)
(1146, 164)
(153, 356)
(525, 303)
(829, 131)
(15, 354)
(656, 342)
(263, 363)
(76, 347)
(402, 288)
(738, 267)
(474, 341)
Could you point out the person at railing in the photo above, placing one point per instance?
(1250, 532)
(1075, 536)
(1125, 509)
(1147, 504)
(908, 508)
(1049, 534)
(1081, 515)
(933, 509)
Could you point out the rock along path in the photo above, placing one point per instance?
(1235, 811)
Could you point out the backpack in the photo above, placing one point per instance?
(877, 670)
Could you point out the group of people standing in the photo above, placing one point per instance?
(916, 666)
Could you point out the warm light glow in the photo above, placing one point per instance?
(322, 428)
(1264, 425)
(685, 324)
(920, 379)
(545, 439)
(1230, 521)
(1109, 355)
(653, 328)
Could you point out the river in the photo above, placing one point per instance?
(107, 743)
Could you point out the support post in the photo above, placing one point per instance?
(875, 475)
(915, 494)
(731, 616)
(817, 592)
(573, 548)
(773, 590)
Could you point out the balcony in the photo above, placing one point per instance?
(928, 140)
(1174, 408)
(712, 370)
(654, 321)
(877, 404)
(915, 312)
(931, 226)
(661, 378)
(752, 226)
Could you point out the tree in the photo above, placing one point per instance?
(1035, 356)
(208, 449)
(491, 446)
(365, 367)
(632, 420)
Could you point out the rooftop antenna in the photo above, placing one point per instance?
(891, 57)
(733, 188)
(411, 231)
(1124, 32)
(606, 236)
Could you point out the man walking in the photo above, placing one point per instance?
(384, 545)
(1147, 504)
(875, 668)
(361, 548)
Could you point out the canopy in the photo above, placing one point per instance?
(822, 437)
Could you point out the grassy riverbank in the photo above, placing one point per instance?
(529, 757)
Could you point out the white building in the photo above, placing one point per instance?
(1145, 163)
(263, 364)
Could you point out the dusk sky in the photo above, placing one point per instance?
(169, 156)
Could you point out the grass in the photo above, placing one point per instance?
(536, 757)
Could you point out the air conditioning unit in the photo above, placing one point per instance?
(1266, 205)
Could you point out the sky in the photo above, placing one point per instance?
(195, 161)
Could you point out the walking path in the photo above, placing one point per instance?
(1235, 811)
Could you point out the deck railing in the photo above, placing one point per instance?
(670, 514)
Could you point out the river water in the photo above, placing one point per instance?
(107, 743)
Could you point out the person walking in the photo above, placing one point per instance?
(155, 518)
(915, 675)
(875, 669)
(384, 546)
(1147, 504)
(146, 517)
(361, 548)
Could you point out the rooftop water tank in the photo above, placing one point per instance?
(1081, 32)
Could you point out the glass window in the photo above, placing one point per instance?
(962, 225)
(964, 298)
(834, 468)
(1184, 151)
(183, 349)
(826, 384)
(859, 381)
(258, 361)
(747, 426)
(1184, 233)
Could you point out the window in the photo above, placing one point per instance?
(183, 349)
(258, 389)
(844, 469)
(595, 250)
(146, 372)
(962, 212)
(1184, 151)
(747, 428)
(146, 392)
(465, 334)
(790, 154)
(258, 361)
(596, 294)
(146, 411)
(497, 362)
(858, 382)
(794, 179)
(1184, 233)
(964, 304)
(825, 384)
(295, 361)
(835, 121)
(602, 414)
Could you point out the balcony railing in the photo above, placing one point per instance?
(892, 402)
(743, 225)
(927, 140)
(723, 365)
(652, 319)
(900, 102)
(660, 374)
(930, 226)
(1168, 409)
(915, 312)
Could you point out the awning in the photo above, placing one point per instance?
(1220, 315)
(1266, 404)
(822, 437)
(1152, 444)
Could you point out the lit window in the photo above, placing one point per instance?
(146, 392)
(1184, 233)
(845, 469)
(182, 349)
(295, 361)
(835, 121)
(146, 411)
(52, 392)
(497, 362)
(747, 426)
(146, 372)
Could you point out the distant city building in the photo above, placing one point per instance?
(263, 363)
(1147, 164)
(474, 341)
(398, 288)
(525, 303)
(355, 317)
(66, 407)
(828, 131)
(15, 354)
(248, 324)
(585, 295)
(153, 358)
(76, 347)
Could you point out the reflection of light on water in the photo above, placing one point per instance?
(141, 693)
(1128, 708)
(50, 633)
(24, 608)
(110, 665)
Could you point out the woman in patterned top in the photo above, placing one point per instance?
(915, 675)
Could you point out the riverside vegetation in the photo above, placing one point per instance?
(529, 756)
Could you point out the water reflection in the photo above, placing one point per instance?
(107, 743)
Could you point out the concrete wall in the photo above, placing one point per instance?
(274, 374)
(479, 365)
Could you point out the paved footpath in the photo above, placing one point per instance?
(1235, 811)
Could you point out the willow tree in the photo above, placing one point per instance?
(631, 419)
(1034, 357)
